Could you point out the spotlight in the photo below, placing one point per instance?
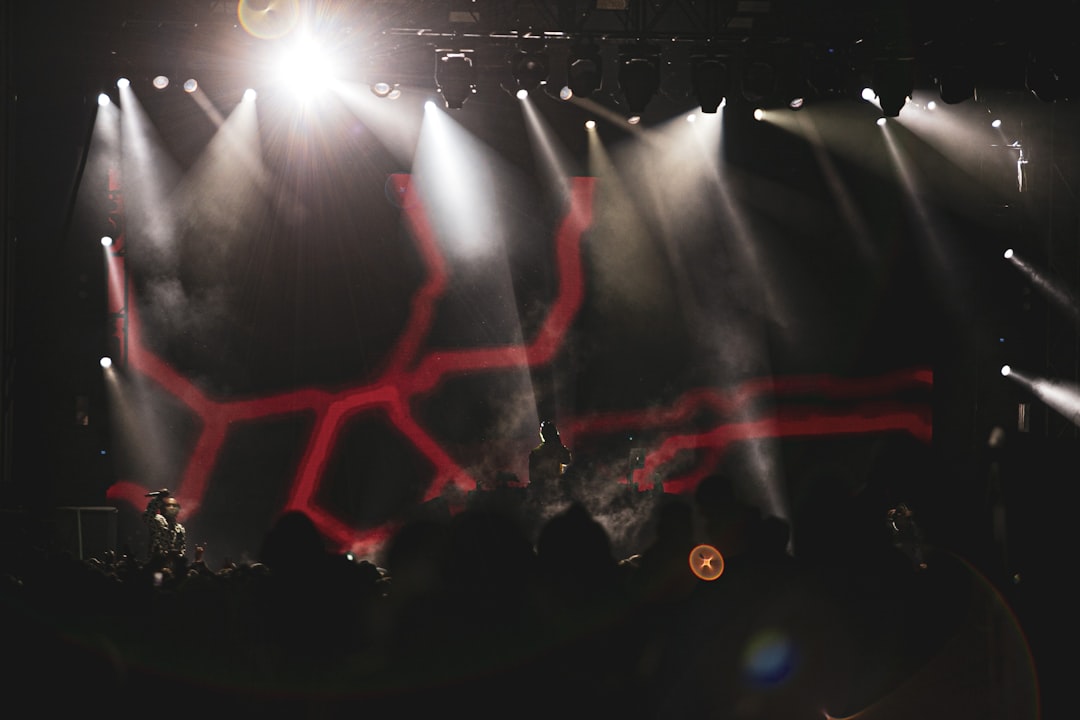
(639, 76)
(710, 81)
(105, 362)
(191, 85)
(103, 99)
(455, 78)
(161, 82)
(386, 90)
(584, 71)
(893, 83)
(758, 81)
(956, 83)
(106, 241)
(830, 73)
(530, 69)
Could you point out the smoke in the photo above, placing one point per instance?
(179, 314)
(620, 507)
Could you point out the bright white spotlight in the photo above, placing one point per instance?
(103, 99)
(250, 94)
(105, 362)
(634, 119)
(692, 117)
(191, 85)
(106, 241)
(382, 89)
(880, 122)
(796, 103)
(590, 124)
(996, 123)
(868, 94)
(123, 83)
(306, 68)
(931, 105)
(566, 93)
(161, 82)
(759, 114)
(522, 94)
(1009, 254)
(1005, 370)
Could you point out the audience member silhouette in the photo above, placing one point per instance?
(660, 574)
(467, 614)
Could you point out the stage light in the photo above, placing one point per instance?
(103, 99)
(530, 69)
(105, 362)
(106, 241)
(386, 90)
(758, 81)
(584, 72)
(161, 82)
(710, 81)
(830, 74)
(191, 85)
(455, 77)
(956, 83)
(250, 94)
(893, 82)
(123, 83)
(639, 76)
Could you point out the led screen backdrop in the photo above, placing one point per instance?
(299, 326)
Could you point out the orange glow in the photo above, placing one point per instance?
(706, 562)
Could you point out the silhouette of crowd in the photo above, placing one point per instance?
(479, 614)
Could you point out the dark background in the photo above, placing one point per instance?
(332, 292)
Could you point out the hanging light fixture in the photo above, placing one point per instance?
(455, 77)
(639, 76)
(584, 71)
(710, 81)
(530, 68)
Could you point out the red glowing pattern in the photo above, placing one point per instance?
(409, 373)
